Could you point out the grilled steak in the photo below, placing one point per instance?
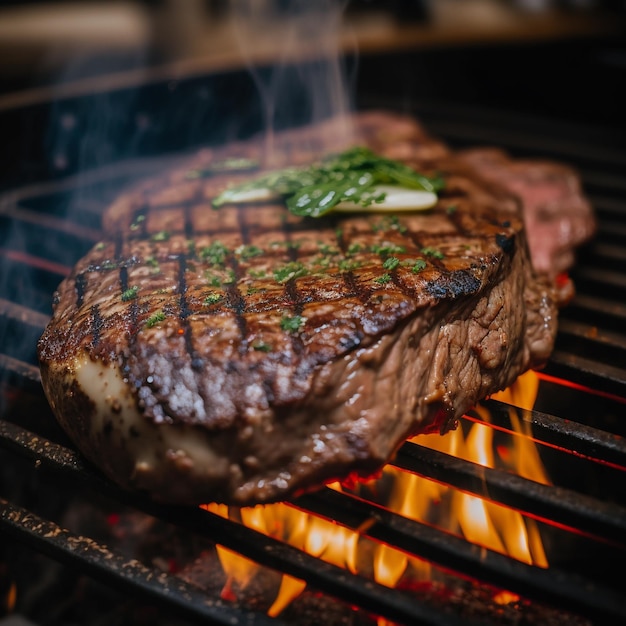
(245, 354)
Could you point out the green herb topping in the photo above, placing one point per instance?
(137, 222)
(154, 264)
(155, 318)
(162, 235)
(291, 324)
(391, 263)
(294, 269)
(247, 251)
(387, 248)
(130, 294)
(349, 176)
(418, 266)
(212, 298)
(433, 252)
(383, 280)
(215, 253)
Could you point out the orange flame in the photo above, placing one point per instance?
(479, 520)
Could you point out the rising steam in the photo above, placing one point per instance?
(292, 49)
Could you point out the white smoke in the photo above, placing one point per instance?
(293, 51)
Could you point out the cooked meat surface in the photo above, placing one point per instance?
(244, 354)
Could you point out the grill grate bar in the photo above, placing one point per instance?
(323, 576)
(113, 569)
(608, 207)
(19, 372)
(587, 372)
(601, 281)
(23, 215)
(461, 131)
(22, 314)
(612, 229)
(565, 433)
(572, 509)
(609, 314)
(613, 254)
(596, 344)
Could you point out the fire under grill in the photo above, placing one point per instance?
(76, 549)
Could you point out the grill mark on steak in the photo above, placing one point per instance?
(133, 307)
(183, 315)
(237, 303)
(139, 221)
(355, 287)
(80, 284)
(96, 325)
(188, 222)
(243, 225)
(123, 277)
(291, 291)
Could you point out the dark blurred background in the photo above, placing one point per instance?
(45, 42)
(83, 83)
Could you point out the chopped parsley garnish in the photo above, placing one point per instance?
(383, 280)
(418, 266)
(137, 221)
(214, 279)
(391, 263)
(212, 298)
(215, 253)
(291, 324)
(261, 346)
(155, 318)
(286, 272)
(433, 252)
(389, 222)
(247, 251)
(130, 294)
(326, 249)
(230, 277)
(154, 264)
(351, 176)
(347, 265)
(387, 249)
(162, 235)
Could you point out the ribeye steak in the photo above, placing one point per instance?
(245, 354)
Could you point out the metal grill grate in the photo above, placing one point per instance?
(577, 423)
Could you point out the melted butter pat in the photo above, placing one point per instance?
(396, 199)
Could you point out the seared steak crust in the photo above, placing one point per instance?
(244, 354)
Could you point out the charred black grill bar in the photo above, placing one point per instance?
(577, 424)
